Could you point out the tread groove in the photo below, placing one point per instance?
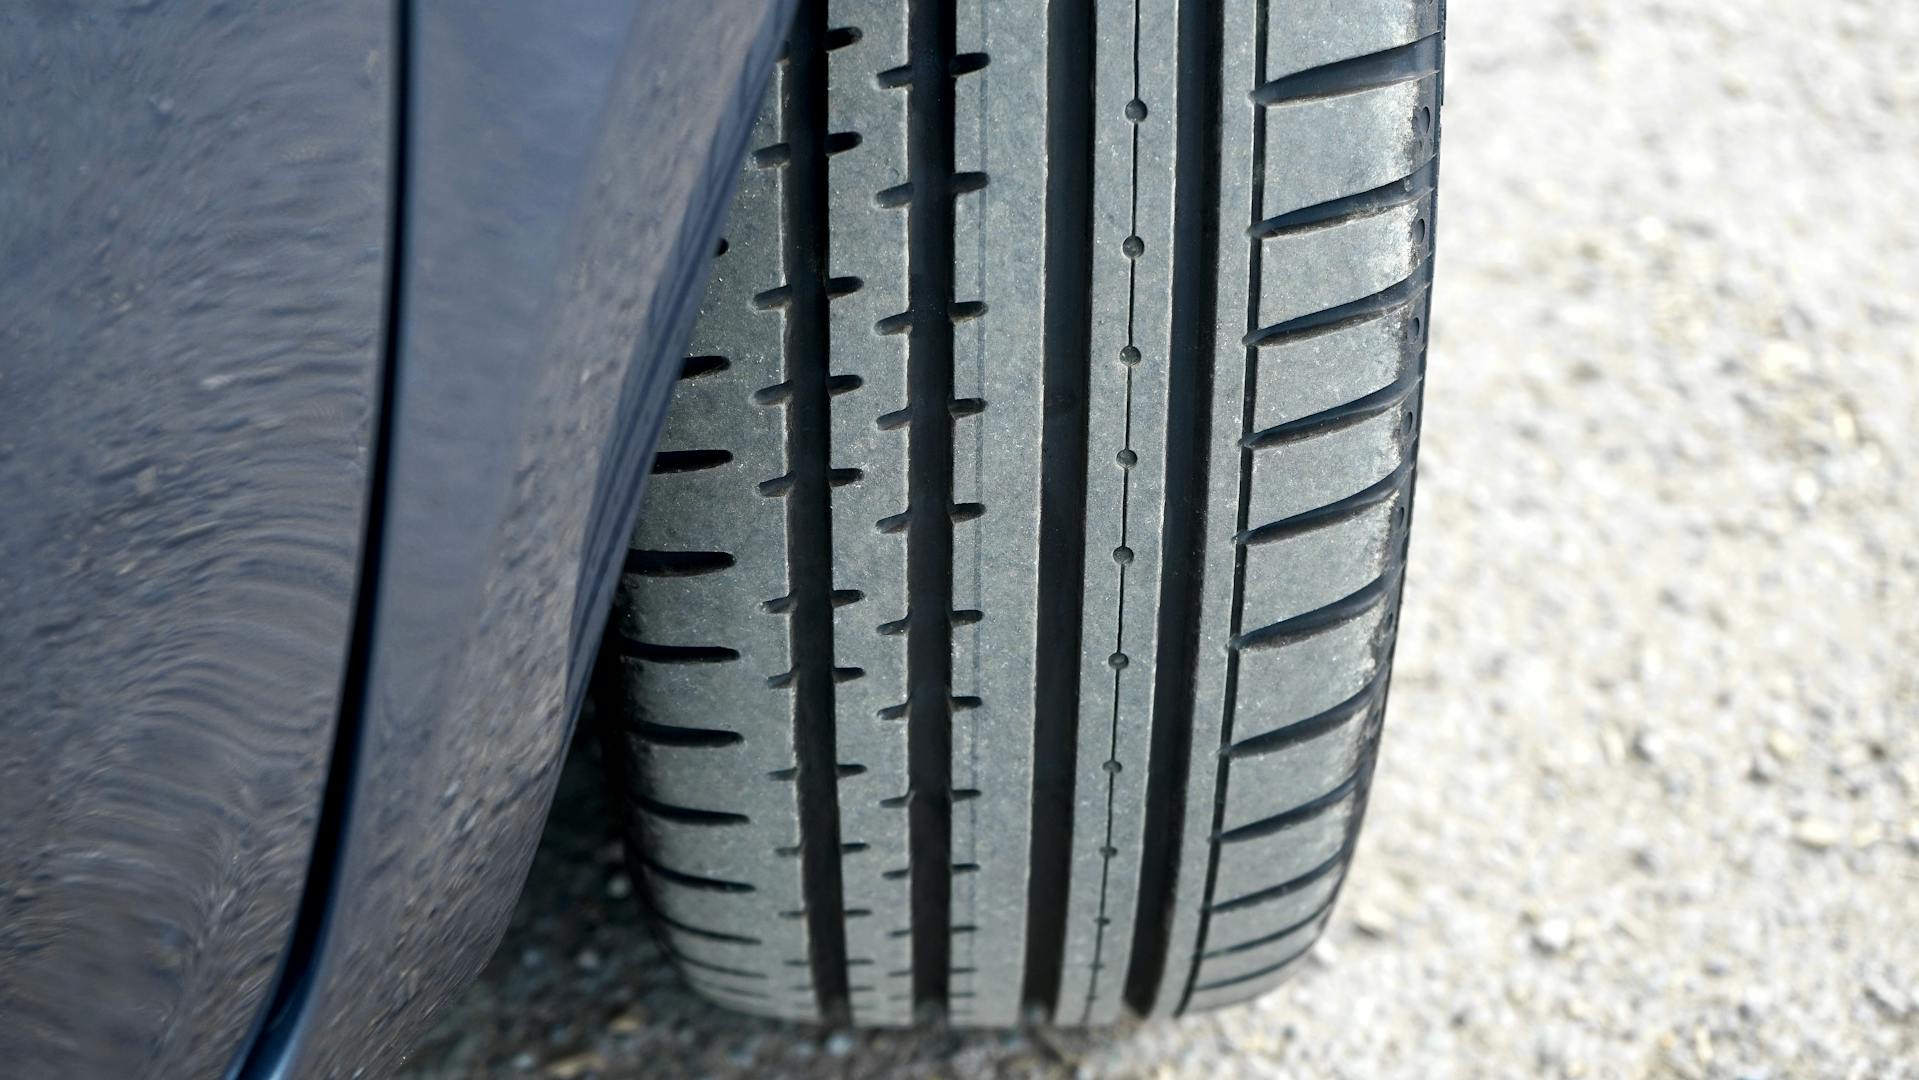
(686, 815)
(931, 35)
(1236, 613)
(1312, 727)
(718, 969)
(703, 932)
(652, 652)
(676, 563)
(692, 881)
(1388, 67)
(809, 538)
(1267, 939)
(1390, 299)
(1285, 888)
(1405, 191)
(684, 737)
(1188, 438)
(1332, 513)
(684, 461)
(1107, 849)
(695, 366)
(1320, 619)
(1288, 818)
(1339, 417)
(1270, 969)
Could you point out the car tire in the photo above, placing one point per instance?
(1007, 628)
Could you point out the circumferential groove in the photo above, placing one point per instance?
(1256, 134)
(1195, 323)
(1067, 331)
(806, 487)
(927, 198)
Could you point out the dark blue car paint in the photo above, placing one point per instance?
(560, 172)
(193, 215)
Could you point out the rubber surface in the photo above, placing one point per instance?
(1009, 626)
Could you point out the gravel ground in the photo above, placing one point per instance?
(1649, 799)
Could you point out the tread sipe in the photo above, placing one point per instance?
(1008, 627)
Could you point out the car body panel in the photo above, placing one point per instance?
(568, 166)
(382, 663)
(193, 214)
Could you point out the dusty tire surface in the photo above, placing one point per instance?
(1008, 626)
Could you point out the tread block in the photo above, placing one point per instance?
(705, 692)
(1251, 916)
(682, 609)
(1318, 673)
(1236, 993)
(1310, 473)
(683, 904)
(1246, 964)
(1247, 866)
(1343, 262)
(706, 952)
(1264, 786)
(1313, 373)
(1381, 139)
(1291, 576)
(1304, 34)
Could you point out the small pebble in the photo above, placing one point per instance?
(1783, 745)
(839, 1044)
(1553, 936)
(1805, 490)
(1817, 835)
(1887, 998)
(1372, 920)
(578, 1065)
(619, 887)
(588, 959)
